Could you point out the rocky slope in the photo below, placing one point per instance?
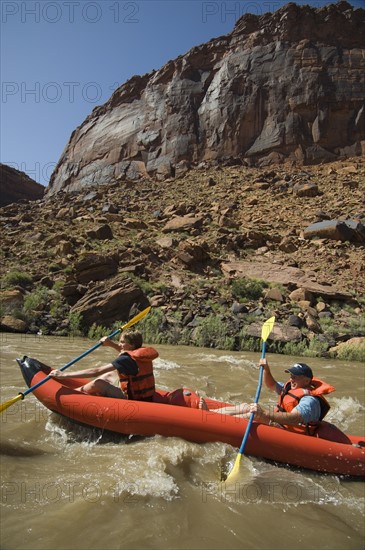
(194, 247)
(16, 185)
(283, 86)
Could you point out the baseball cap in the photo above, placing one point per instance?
(301, 369)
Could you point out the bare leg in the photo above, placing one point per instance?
(103, 388)
(110, 377)
(242, 410)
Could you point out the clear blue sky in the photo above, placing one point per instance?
(62, 58)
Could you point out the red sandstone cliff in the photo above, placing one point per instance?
(283, 86)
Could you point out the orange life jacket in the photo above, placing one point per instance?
(141, 386)
(289, 399)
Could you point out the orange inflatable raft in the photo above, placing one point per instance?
(177, 414)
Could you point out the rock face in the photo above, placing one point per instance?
(16, 185)
(215, 253)
(288, 85)
(105, 303)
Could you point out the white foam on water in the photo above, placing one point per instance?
(259, 482)
(344, 412)
(164, 364)
(230, 359)
(65, 433)
(159, 473)
(154, 483)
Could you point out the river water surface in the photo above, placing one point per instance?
(66, 487)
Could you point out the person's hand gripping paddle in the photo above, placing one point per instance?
(266, 329)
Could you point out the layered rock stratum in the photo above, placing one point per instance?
(16, 185)
(287, 86)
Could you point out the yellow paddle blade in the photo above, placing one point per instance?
(7, 404)
(236, 468)
(137, 318)
(267, 328)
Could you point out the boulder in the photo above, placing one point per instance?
(54, 240)
(300, 295)
(95, 267)
(8, 323)
(274, 294)
(312, 323)
(71, 292)
(110, 301)
(11, 299)
(102, 233)
(305, 190)
(280, 333)
(64, 248)
(192, 253)
(339, 230)
(238, 308)
(166, 242)
(183, 223)
(295, 321)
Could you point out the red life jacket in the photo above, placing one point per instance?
(289, 399)
(140, 387)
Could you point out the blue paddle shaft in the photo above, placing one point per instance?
(257, 396)
(29, 390)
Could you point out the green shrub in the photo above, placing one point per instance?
(149, 288)
(96, 332)
(247, 289)
(56, 310)
(328, 325)
(249, 343)
(17, 278)
(75, 320)
(154, 327)
(212, 333)
(352, 353)
(292, 348)
(317, 348)
(36, 300)
(357, 324)
(58, 285)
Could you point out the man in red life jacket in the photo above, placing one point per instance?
(301, 405)
(132, 370)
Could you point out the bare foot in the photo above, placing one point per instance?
(202, 404)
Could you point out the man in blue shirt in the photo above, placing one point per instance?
(305, 411)
(307, 408)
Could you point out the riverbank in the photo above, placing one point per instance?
(215, 251)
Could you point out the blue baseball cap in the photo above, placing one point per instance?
(301, 369)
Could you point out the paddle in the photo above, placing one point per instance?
(266, 329)
(21, 395)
